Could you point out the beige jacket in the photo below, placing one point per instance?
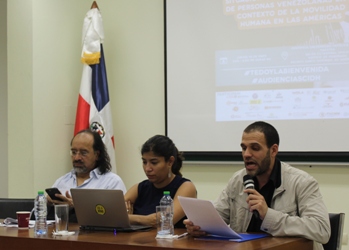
(297, 208)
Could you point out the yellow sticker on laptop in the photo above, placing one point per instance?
(100, 209)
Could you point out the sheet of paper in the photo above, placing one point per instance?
(203, 214)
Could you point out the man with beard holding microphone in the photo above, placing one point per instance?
(269, 195)
(91, 168)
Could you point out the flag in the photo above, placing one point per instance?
(93, 110)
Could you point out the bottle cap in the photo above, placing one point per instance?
(40, 192)
(167, 192)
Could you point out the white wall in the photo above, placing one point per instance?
(3, 101)
(44, 73)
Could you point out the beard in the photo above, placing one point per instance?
(81, 169)
(265, 164)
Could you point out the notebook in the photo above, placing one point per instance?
(102, 210)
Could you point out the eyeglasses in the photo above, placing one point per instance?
(83, 153)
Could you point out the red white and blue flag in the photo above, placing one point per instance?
(93, 109)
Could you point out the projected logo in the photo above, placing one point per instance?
(100, 209)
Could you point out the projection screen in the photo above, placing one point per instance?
(230, 63)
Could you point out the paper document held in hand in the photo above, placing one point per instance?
(204, 214)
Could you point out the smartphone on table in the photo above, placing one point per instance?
(52, 191)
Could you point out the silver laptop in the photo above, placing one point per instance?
(102, 209)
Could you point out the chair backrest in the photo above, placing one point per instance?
(9, 206)
(337, 222)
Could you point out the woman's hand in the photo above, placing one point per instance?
(129, 207)
(149, 220)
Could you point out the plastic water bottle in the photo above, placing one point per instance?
(167, 218)
(40, 214)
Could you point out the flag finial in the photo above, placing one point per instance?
(94, 5)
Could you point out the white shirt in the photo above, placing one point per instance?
(108, 180)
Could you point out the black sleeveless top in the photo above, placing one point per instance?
(149, 197)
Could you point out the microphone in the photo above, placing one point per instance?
(249, 184)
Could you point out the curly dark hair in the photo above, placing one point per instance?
(103, 162)
(163, 146)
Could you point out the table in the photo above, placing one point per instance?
(13, 238)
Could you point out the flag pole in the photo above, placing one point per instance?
(94, 5)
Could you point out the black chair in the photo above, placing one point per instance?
(337, 223)
(9, 206)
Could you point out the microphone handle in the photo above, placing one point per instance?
(256, 214)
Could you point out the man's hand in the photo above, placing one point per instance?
(256, 202)
(193, 229)
(67, 199)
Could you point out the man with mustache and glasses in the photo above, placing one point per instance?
(285, 201)
(91, 168)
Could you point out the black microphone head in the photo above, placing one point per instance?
(247, 177)
(248, 182)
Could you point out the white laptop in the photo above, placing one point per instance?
(102, 209)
